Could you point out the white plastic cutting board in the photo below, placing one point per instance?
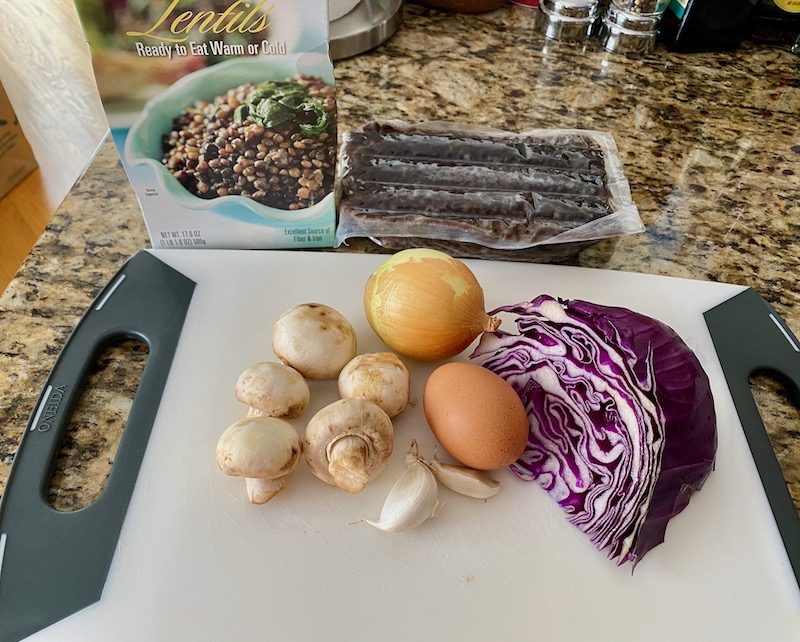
(196, 561)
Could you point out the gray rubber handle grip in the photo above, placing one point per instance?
(55, 563)
(750, 338)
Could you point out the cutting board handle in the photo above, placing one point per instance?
(750, 338)
(146, 300)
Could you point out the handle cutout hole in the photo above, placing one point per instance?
(96, 426)
(779, 407)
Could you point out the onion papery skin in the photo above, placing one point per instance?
(622, 421)
(426, 305)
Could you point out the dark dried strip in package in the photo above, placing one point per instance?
(484, 193)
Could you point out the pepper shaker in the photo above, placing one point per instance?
(642, 7)
(631, 26)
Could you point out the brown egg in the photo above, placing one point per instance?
(475, 415)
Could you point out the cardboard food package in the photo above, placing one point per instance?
(16, 156)
(224, 115)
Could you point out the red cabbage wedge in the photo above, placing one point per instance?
(622, 421)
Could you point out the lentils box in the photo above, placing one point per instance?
(224, 114)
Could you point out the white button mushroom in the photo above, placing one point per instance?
(314, 339)
(262, 450)
(274, 390)
(348, 443)
(379, 377)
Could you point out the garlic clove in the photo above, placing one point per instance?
(466, 481)
(412, 499)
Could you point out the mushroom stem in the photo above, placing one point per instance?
(260, 491)
(348, 442)
(347, 463)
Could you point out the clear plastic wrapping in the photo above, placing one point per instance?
(484, 193)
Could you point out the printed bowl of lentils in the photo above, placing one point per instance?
(253, 139)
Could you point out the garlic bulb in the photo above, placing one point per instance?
(426, 305)
(466, 481)
(413, 498)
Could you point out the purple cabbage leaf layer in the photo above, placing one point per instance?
(622, 421)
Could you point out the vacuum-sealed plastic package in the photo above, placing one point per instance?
(476, 192)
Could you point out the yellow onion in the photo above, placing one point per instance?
(426, 305)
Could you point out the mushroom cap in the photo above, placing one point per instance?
(379, 377)
(261, 447)
(314, 339)
(275, 389)
(343, 418)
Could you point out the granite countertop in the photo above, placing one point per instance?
(710, 145)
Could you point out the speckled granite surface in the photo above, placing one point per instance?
(710, 143)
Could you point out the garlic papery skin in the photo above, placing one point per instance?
(426, 305)
(413, 498)
(466, 481)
